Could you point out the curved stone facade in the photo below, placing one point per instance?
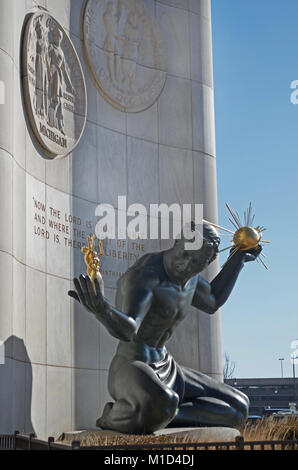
(57, 355)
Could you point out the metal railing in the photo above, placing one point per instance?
(18, 441)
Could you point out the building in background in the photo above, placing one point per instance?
(265, 393)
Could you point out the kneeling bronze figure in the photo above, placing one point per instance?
(150, 390)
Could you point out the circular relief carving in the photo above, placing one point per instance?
(126, 53)
(54, 85)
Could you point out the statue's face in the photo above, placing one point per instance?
(132, 19)
(39, 31)
(187, 263)
(56, 37)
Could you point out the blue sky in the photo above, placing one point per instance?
(255, 57)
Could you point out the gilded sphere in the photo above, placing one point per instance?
(246, 238)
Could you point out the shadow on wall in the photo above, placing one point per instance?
(15, 388)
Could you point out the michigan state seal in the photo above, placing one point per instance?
(54, 85)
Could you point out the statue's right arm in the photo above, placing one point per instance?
(121, 325)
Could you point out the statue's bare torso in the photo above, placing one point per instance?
(169, 303)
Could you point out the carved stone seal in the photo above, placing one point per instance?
(54, 85)
(126, 52)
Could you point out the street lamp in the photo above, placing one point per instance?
(281, 359)
(293, 357)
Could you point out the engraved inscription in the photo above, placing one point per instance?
(62, 229)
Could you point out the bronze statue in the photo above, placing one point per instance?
(152, 391)
(92, 261)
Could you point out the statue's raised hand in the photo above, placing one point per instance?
(117, 323)
(92, 300)
(245, 256)
(251, 255)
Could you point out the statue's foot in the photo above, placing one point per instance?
(101, 422)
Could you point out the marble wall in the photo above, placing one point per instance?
(57, 355)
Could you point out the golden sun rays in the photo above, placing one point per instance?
(245, 237)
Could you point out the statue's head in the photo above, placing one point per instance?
(187, 263)
(39, 29)
(132, 18)
(110, 7)
(57, 36)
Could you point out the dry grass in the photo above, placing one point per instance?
(92, 439)
(267, 429)
(272, 429)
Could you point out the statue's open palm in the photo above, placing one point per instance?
(117, 323)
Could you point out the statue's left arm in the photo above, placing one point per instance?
(209, 297)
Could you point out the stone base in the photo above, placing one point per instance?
(213, 434)
(85, 433)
